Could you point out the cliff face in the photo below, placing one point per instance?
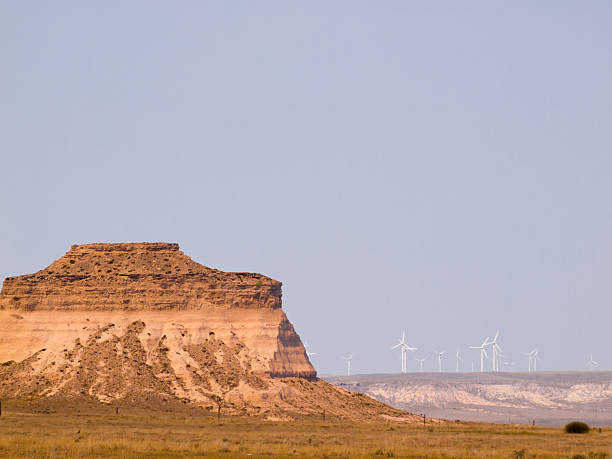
(144, 324)
(129, 277)
(127, 321)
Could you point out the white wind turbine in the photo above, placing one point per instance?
(591, 364)
(502, 362)
(308, 353)
(420, 362)
(440, 354)
(483, 352)
(535, 357)
(403, 347)
(495, 351)
(459, 359)
(348, 364)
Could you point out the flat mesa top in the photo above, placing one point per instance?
(126, 246)
(134, 259)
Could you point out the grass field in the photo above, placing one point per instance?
(27, 432)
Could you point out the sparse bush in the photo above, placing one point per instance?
(577, 427)
(519, 453)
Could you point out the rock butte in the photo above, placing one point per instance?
(143, 323)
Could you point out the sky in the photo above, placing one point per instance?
(439, 167)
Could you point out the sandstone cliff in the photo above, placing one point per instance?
(141, 323)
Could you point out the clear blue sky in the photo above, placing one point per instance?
(443, 167)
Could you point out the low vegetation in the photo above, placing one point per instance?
(26, 431)
(577, 427)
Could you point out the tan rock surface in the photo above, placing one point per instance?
(143, 323)
(138, 276)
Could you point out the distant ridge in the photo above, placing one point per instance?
(550, 397)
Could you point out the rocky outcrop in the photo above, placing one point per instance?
(143, 323)
(130, 277)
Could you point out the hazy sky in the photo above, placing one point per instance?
(443, 167)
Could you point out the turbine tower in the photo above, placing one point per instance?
(439, 354)
(348, 364)
(403, 348)
(459, 359)
(483, 352)
(420, 362)
(591, 364)
(535, 356)
(495, 351)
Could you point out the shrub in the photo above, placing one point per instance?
(577, 427)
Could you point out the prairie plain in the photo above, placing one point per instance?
(35, 430)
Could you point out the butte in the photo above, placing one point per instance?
(143, 324)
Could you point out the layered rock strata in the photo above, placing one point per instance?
(141, 323)
(131, 277)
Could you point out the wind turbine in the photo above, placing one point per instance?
(459, 359)
(502, 362)
(591, 364)
(348, 364)
(483, 352)
(535, 357)
(403, 347)
(495, 351)
(530, 356)
(439, 354)
(308, 353)
(420, 362)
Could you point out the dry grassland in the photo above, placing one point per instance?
(99, 432)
